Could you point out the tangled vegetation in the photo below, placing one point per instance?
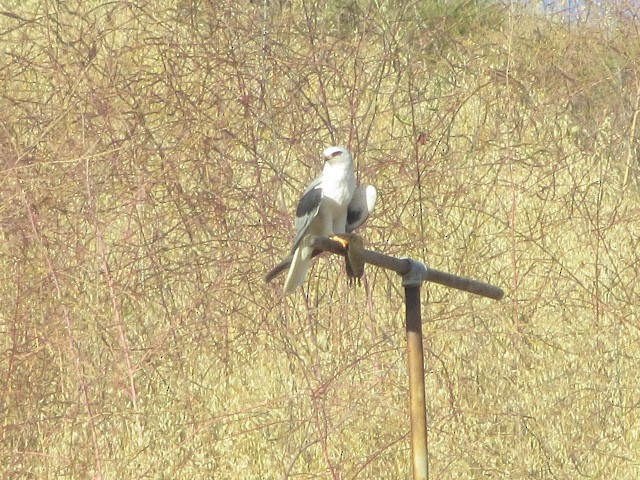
(152, 154)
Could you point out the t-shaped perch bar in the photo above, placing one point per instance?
(413, 274)
(418, 271)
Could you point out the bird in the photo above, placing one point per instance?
(332, 205)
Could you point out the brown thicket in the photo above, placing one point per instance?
(152, 154)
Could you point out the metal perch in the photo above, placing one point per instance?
(413, 274)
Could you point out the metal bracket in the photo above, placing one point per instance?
(416, 275)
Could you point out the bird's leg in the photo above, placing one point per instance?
(354, 259)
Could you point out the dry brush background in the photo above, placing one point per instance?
(152, 153)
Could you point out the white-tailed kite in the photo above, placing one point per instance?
(330, 205)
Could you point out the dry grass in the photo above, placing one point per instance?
(152, 153)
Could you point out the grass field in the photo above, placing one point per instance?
(152, 154)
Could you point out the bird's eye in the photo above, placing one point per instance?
(335, 154)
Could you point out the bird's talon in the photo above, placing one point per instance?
(342, 240)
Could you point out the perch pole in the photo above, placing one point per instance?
(413, 274)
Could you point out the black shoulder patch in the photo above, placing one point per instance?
(353, 216)
(309, 202)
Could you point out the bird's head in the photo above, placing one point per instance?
(337, 155)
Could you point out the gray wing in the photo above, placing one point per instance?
(307, 209)
(361, 206)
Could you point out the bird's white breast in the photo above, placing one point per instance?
(338, 183)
